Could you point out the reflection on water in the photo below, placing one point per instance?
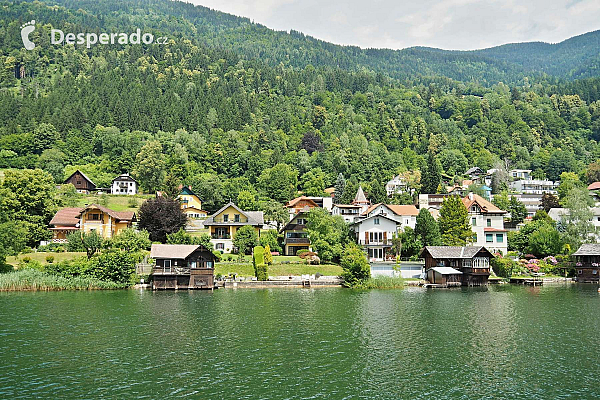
(501, 341)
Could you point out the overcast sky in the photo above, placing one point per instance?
(447, 24)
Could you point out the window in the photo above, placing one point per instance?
(220, 246)
(499, 238)
(95, 217)
(594, 271)
(236, 218)
(475, 238)
(489, 222)
(209, 264)
(579, 272)
(226, 218)
(79, 182)
(489, 238)
(301, 221)
(474, 221)
(376, 221)
(167, 264)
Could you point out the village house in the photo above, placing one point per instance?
(587, 263)
(534, 186)
(487, 223)
(473, 263)
(352, 212)
(224, 224)
(397, 185)
(299, 204)
(124, 184)
(82, 183)
(182, 266)
(191, 203)
(561, 215)
(524, 174)
(295, 237)
(104, 221)
(374, 234)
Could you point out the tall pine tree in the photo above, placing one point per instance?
(431, 176)
(340, 186)
(427, 229)
(454, 222)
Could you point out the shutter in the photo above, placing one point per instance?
(384, 237)
(366, 237)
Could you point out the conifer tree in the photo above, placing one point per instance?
(427, 229)
(340, 186)
(454, 222)
(431, 176)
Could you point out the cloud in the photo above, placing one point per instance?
(448, 24)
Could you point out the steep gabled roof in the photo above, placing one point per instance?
(125, 176)
(66, 216)
(485, 205)
(118, 215)
(374, 216)
(588, 249)
(442, 252)
(360, 197)
(254, 217)
(186, 190)
(396, 209)
(176, 251)
(295, 201)
(594, 186)
(82, 174)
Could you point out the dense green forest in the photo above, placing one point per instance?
(229, 106)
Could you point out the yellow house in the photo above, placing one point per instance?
(224, 224)
(191, 204)
(104, 221)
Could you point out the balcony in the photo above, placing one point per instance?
(220, 236)
(175, 270)
(386, 242)
(297, 241)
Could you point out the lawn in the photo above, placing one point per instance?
(41, 257)
(246, 269)
(114, 202)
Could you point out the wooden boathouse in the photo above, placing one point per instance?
(587, 263)
(182, 266)
(472, 261)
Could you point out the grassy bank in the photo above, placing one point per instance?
(41, 257)
(383, 282)
(246, 269)
(114, 202)
(31, 279)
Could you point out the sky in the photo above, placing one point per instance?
(397, 24)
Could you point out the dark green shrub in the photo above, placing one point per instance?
(261, 272)
(115, 266)
(503, 267)
(49, 259)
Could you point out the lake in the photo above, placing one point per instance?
(502, 341)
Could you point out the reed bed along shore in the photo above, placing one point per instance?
(34, 280)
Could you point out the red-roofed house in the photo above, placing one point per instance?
(487, 223)
(104, 221)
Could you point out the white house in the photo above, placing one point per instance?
(404, 215)
(396, 186)
(561, 214)
(487, 223)
(350, 212)
(375, 234)
(534, 186)
(520, 174)
(124, 184)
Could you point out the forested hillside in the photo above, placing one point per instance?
(229, 106)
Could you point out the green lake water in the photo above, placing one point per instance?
(331, 343)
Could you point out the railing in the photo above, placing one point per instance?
(297, 240)
(222, 221)
(171, 270)
(386, 242)
(220, 236)
(59, 240)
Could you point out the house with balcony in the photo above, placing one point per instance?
(352, 212)
(534, 186)
(124, 184)
(182, 266)
(295, 237)
(82, 183)
(191, 204)
(471, 262)
(299, 204)
(224, 224)
(487, 223)
(104, 221)
(397, 185)
(374, 234)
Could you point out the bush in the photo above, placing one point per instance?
(114, 266)
(261, 272)
(28, 263)
(52, 248)
(76, 267)
(49, 259)
(74, 243)
(355, 265)
(503, 267)
(27, 250)
(132, 202)
(268, 255)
